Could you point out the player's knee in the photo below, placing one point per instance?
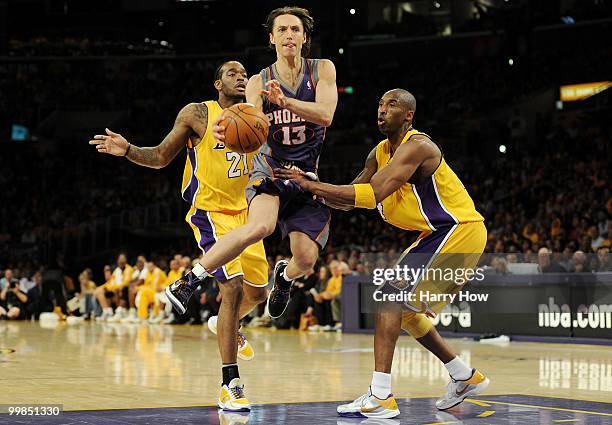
(305, 259)
(416, 324)
(232, 290)
(257, 296)
(259, 231)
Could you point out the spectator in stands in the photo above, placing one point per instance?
(511, 258)
(139, 274)
(105, 292)
(500, 265)
(604, 259)
(12, 300)
(153, 283)
(87, 300)
(7, 279)
(579, 263)
(546, 264)
(327, 303)
(26, 283)
(596, 239)
(36, 303)
(185, 264)
(165, 307)
(122, 276)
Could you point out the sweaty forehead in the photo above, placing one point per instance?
(287, 21)
(389, 96)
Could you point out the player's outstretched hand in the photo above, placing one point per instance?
(297, 176)
(275, 93)
(218, 131)
(112, 143)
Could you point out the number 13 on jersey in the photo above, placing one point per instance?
(294, 135)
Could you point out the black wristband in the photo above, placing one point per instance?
(128, 149)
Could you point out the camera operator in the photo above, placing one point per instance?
(12, 299)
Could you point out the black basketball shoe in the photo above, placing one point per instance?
(280, 293)
(180, 291)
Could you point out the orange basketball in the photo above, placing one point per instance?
(246, 128)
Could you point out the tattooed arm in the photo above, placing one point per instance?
(190, 121)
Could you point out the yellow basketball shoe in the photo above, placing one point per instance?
(245, 349)
(457, 391)
(370, 406)
(232, 397)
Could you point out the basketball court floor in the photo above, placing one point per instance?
(137, 374)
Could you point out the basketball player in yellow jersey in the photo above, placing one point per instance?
(407, 177)
(214, 183)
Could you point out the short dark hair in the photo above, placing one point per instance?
(302, 14)
(219, 72)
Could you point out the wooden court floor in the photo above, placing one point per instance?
(93, 366)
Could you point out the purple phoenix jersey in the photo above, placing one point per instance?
(291, 139)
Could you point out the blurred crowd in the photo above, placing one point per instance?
(135, 294)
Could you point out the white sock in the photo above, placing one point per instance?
(108, 310)
(458, 370)
(381, 385)
(284, 275)
(199, 271)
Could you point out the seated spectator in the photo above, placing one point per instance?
(105, 292)
(596, 239)
(579, 263)
(165, 307)
(153, 283)
(500, 265)
(26, 283)
(604, 259)
(87, 300)
(546, 264)
(327, 303)
(7, 279)
(12, 301)
(139, 274)
(113, 288)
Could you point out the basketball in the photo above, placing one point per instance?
(246, 128)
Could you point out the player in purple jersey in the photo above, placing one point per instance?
(299, 96)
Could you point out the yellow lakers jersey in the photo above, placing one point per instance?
(439, 201)
(215, 177)
(155, 279)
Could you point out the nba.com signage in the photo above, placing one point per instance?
(553, 315)
(555, 304)
(461, 314)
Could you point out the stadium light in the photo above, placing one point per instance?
(341, 50)
(502, 148)
(510, 61)
(352, 11)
